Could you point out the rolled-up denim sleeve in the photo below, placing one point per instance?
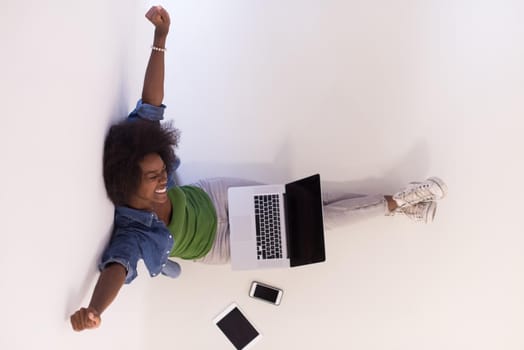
(124, 250)
(171, 181)
(147, 112)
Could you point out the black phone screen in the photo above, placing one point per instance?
(266, 293)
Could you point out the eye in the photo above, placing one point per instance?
(157, 176)
(153, 178)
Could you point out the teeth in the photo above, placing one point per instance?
(163, 190)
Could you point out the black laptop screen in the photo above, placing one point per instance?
(305, 226)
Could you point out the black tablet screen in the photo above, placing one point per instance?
(237, 328)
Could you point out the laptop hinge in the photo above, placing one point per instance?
(288, 227)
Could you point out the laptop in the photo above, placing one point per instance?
(276, 225)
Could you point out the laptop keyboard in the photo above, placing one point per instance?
(267, 217)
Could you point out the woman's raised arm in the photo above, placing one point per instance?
(153, 89)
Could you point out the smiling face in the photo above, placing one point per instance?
(153, 183)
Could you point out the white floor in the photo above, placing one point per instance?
(374, 94)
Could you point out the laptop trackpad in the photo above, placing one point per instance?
(241, 228)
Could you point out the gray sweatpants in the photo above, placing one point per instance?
(340, 208)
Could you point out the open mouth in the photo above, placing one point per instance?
(161, 191)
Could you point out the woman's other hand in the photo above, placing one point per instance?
(85, 318)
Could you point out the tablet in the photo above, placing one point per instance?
(237, 328)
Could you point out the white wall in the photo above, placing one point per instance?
(373, 93)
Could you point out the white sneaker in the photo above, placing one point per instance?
(423, 212)
(430, 190)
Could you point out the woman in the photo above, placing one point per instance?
(155, 220)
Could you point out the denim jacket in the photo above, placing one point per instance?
(139, 234)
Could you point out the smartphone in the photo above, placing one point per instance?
(265, 292)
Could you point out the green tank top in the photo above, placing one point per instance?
(193, 222)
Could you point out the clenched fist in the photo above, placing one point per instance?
(85, 318)
(160, 19)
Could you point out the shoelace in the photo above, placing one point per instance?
(413, 194)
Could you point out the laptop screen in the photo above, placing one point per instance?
(305, 225)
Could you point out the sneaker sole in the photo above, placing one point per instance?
(443, 187)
